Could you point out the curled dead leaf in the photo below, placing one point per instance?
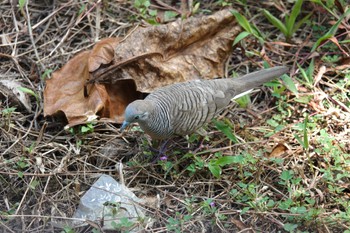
(278, 151)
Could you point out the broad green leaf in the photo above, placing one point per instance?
(286, 175)
(215, 169)
(225, 160)
(22, 3)
(152, 12)
(226, 130)
(169, 15)
(288, 82)
(290, 227)
(303, 99)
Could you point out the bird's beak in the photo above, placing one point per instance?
(124, 125)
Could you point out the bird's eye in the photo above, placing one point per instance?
(137, 117)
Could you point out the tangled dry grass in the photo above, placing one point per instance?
(45, 169)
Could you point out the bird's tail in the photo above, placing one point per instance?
(255, 79)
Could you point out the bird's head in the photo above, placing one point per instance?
(137, 111)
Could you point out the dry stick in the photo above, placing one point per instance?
(98, 21)
(14, 49)
(41, 216)
(86, 13)
(168, 7)
(7, 228)
(52, 14)
(24, 196)
(64, 37)
(30, 30)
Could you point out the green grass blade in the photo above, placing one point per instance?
(276, 22)
(306, 139)
(28, 91)
(331, 31)
(240, 37)
(242, 21)
(301, 22)
(305, 75)
(226, 160)
(293, 15)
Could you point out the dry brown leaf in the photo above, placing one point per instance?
(65, 91)
(278, 151)
(240, 225)
(179, 51)
(319, 75)
(105, 80)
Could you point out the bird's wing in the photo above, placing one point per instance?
(196, 104)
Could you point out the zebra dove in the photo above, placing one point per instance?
(182, 108)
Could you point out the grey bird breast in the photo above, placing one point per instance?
(183, 108)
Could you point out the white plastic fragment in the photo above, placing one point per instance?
(112, 203)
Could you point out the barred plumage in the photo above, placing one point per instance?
(182, 108)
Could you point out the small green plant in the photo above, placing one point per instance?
(46, 74)
(290, 26)
(209, 207)
(30, 149)
(33, 184)
(249, 29)
(22, 163)
(224, 3)
(244, 101)
(226, 128)
(215, 165)
(290, 227)
(6, 115)
(304, 141)
(150, 15)
(20, 166)
(307, 74)
(68, 229)
(83, 129)
(123, 225)
(22, 4)
(176, 224)
(29, 91)
(8, 111)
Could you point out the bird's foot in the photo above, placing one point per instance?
(160, 154)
